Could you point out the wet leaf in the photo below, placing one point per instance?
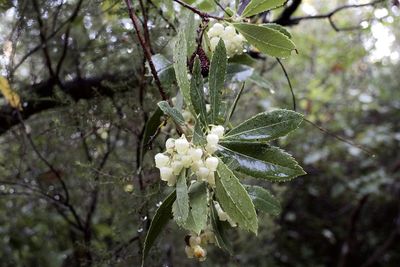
(160, 220)
(180, 208)
(265, 126)
(197, 93)
(279, 28)
(261, 161)
(263, 200)
(198, 136)
(217, 78)
(258, 6)
(172, 112)
(219, 229)
(234, 199)
(269, 41)
(197, 218)
(180, 66)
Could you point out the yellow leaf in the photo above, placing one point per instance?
(10, 95)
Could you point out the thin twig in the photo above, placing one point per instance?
(289, 83)
(202, 14)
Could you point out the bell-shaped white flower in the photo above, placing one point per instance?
(182, 145)
(186, 161)
(196, 154)
(177, 166)
(212, 163)
(211, 148)
(170, 145)
(161, 160)
(212, 139)
(218, 130)
(166, 173)
(202, 173)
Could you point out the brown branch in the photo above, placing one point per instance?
(202, 14)
(146, 49)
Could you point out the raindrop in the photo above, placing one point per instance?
(57, 197)
(2, 187)
(144, 218)
(140, 230)
(158, 204)
(11, 190)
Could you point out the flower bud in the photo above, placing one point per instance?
(211, 178)
(218, 130)
(176, 166)
(196, 165)
(186, 161)
(161, 160)
(182, 145)
(202, 173)
(212, 139)
(228, 33)
(194, 241)
(170, 145)
(196, 154)
(218, 27)
(211, 148)
(199, 253)
(212, 163)
(166, 173)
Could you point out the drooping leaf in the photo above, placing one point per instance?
(238, 72)
(261, 161)
(197, 93)
(269, 41)
(263, 200)
(172, 112)
(219, 229)
(279, 28)
(258, 6)
(217, 78)
(190, 31)
(234, 199)
(261, 82)
(152, 125)
(164, 69)
(265, 126)
(197, 218)
(160, 220)
(180, 208)
(180, 66)
(198, 136)
(9, 94)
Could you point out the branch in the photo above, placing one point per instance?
(146, 49)
(202, 14)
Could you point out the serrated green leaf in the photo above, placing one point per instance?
(265, 126)
(197, 92)
(258, 6)
(180, 208)
(198, 136)
(180, 66)
(234, 199)
(172, 112)
(267, 40)
(197, 218)
(279, 28)
(263, 200)
(261, 161)
(219, 231)
(217, 78)
(160, 219)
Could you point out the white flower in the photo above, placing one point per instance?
(212, 139)
(203, 173)
(182, 145)
(161, 160)
(166, 173)
(196, 165)
(212, 163)
(186, 161)
(211, 179)
(199, 253)
(170, 145)
(228, 33)
(194, 241)
(172, 181)
(196, 154)
(189, 252)
(218, 27)
(177, 166)
(211, 148)
(218, 130)
(214, 42)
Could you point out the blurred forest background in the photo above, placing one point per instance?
(73, 191)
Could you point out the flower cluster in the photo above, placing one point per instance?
(195, 245)
(233, 41)
(181, 154)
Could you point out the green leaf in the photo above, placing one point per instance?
(261, 82)
(258, 6)
(180, 208)
(265, 126)
(234, 199)
(263, 200)
(261, 161)
(190, 31)
(197, 92)
(197, 218)
(172, 112)
(217, 78)
(160, 220)
(198, 136)
(180, 66)
(279, 28)
(238, 72)
(152, 125)
(267, 40)
(219, 229)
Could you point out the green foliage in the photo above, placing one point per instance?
(263, 200)
(269, 41)
(196, 220)
(172, 112)
(197, 93)
(180, 208)
(258, 6)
